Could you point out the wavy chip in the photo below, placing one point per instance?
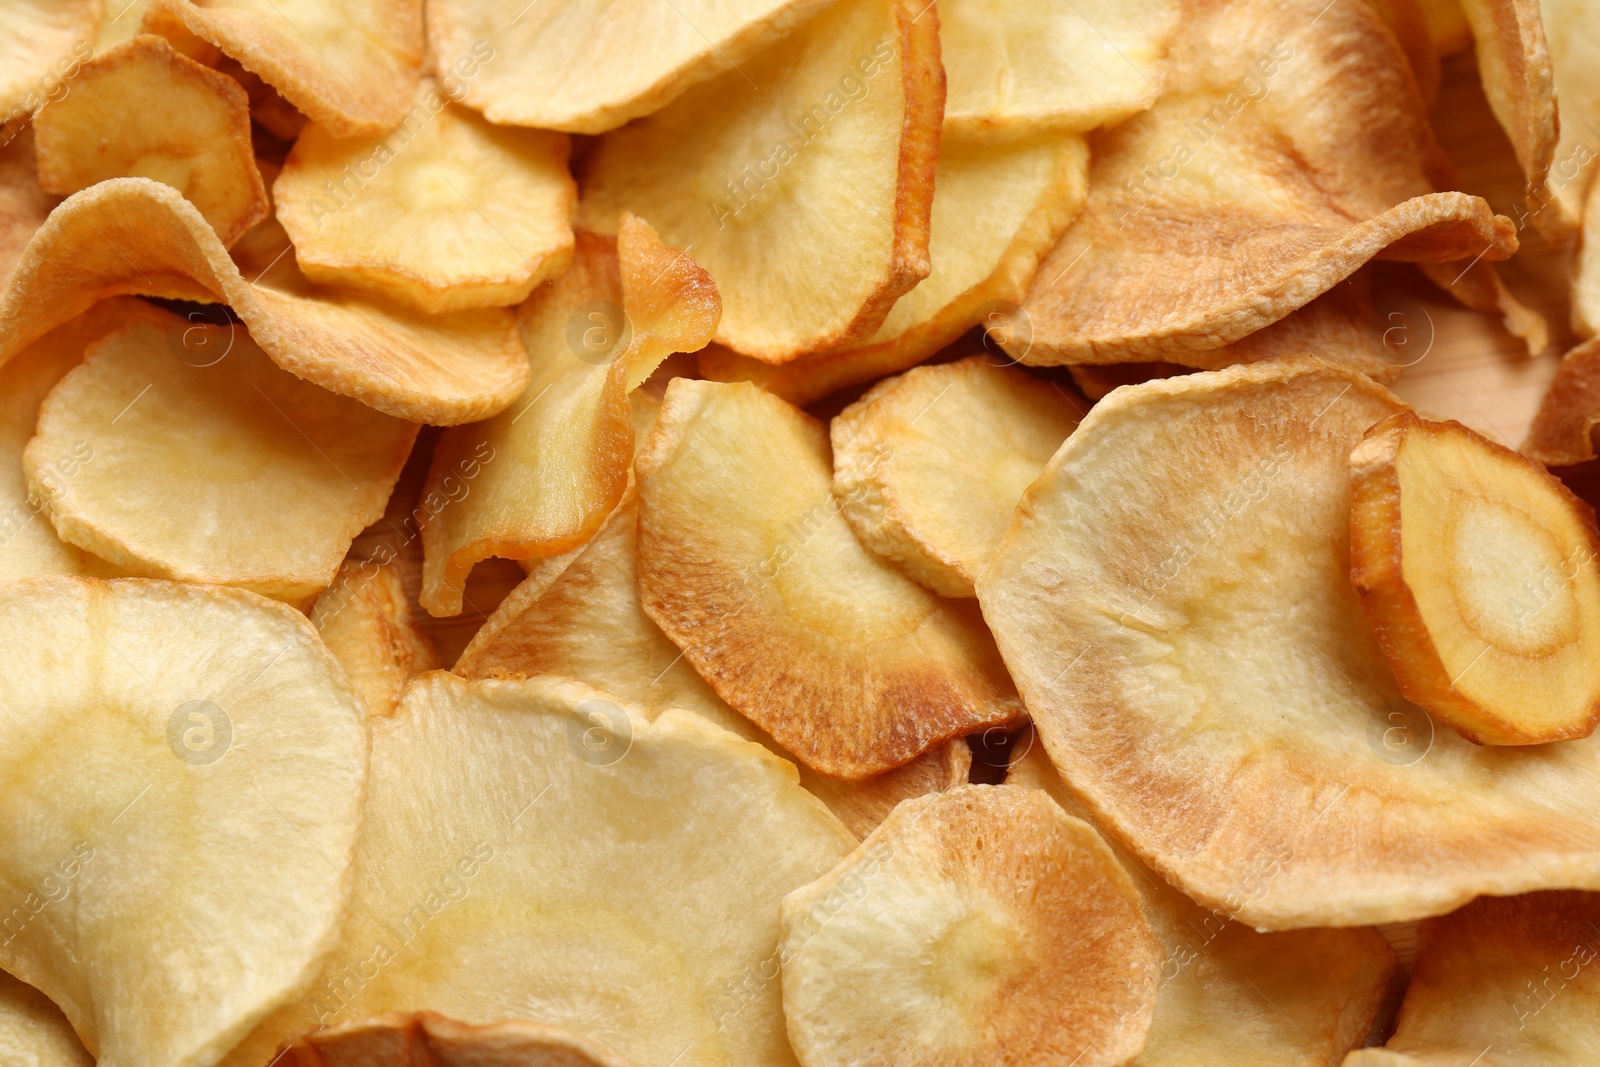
(1514, 65)
(486, 796)
(442, 212)
(181, 451)
(430, 1038)
(44, 44)
(1241, 196)
(33, 1032)
(1572, 34)
(843, 188)
(191, 760)
(133, 235)
(1561, 435)
(365, 619)
(1212, 688)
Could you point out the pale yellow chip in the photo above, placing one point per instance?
(44, 44)
(1572, 33)
(429, 1038)
(275, 475)
(1514, 65)
(366, 622)
(133, 235)
(535, 850)
(123, 22)
(588, 66)
(803, 181)
(978, 926)
(929, 466)
(1174, 602)
(351, 67)
(1562, 431)
(144, 111)
(1015, 67)
(24, 205)
(33, 1032)
(1447, 25)
(556, 462)
(444, 211)
(191, 762)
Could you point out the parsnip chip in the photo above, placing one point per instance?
(1572, 32)
(747, 565)
(929, 466)
(428, 1038)
(366, 622)
(351, 67)
(1514, 64)
(275, 476)
(44, 42)
(534, 850)
(556, 462)
(1095, 380)
(1020, 66)
(588, 66)
(1561, 432)
(24, 205)
(1241, 195)
(813, 226)
(144, 111)
(1478, 285)
(442, 212)
(863, 805)
(978, 926)
(1447, 26)
(1174, 602)
(133, 235)
(187, 765)
(121, 24)
(33, 1032)
(1481, 575)
(1586, 268)
(1409, 21)
(1503, 982)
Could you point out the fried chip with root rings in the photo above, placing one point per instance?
(1572, 34)
(44, 44)
(1514, 65)
(747, 565)
(844, 186)
(487, 882)
(1241, 196)
(426, 1037)
(144, 111)
(442, 212)
(181, 451)
(191, 763)
(930, 465)
(366, 622)
(983, 925)
(1561, 435)
(1212, 688)
(588, 66)
(133, 235)
(33, 1032)
(349, 67)
(556, 462)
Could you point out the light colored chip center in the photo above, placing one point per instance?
(1508, 582)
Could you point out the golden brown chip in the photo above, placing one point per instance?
(44, 43)
(33, 1032)
(978, 926)
(1572, 32)
(1514, 63)
(366, 622)
(428, 1038)
(1243, 195)
(271, 111)
(863, 805)
(929, 466)
(144, 111)
(1174, 603)
(24, 205)
(1409, 21)
(1478, 285)
(747, 565)
(1586, 271)
(350, 67)
(133, 235)
(122, 23)
(1561, 433)
(1447, 26)
(441, 212)
(803, 181)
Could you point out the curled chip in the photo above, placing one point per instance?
(366, 622)
(144, 111)
(181, 451)
(1481, 575)
(1569, 28)
(747, 565)
(1174, 602)
(33, 1032)
(588, 66)
(1562, 429)
(1241, 195)
(812, 227)
(978, 926)
(351, 67)
(441, 212)
(44, 44)
(191, 761)
(539, 479)
(133, 235)
(426, 1037)
(487, 885)
(930, 465)
(1514, 63)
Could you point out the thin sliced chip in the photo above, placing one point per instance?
(1021, 66)
(190, 763)
(1481, 575)
(1514, 64)
(983, 925)
(1572, 32)
(276, 475)
(1241, 195)
(1478, 285)
(1561, 435)
(44, 42)
(1447, 26)
(133, 235)
(534, 850)
(1409, 21)
(428, 1038)
(269, 110)
(144, 111)
(863, 805)
(556, 462)
(442, 212)
(929, 466)
(33, 1032)
(1586, 270)
(352, 68)
(24, 205)
(814, 227)
(1174, 602)
(121, 24)
(588, 66)
(747, 565)
(366, 622)
(1095, 380)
